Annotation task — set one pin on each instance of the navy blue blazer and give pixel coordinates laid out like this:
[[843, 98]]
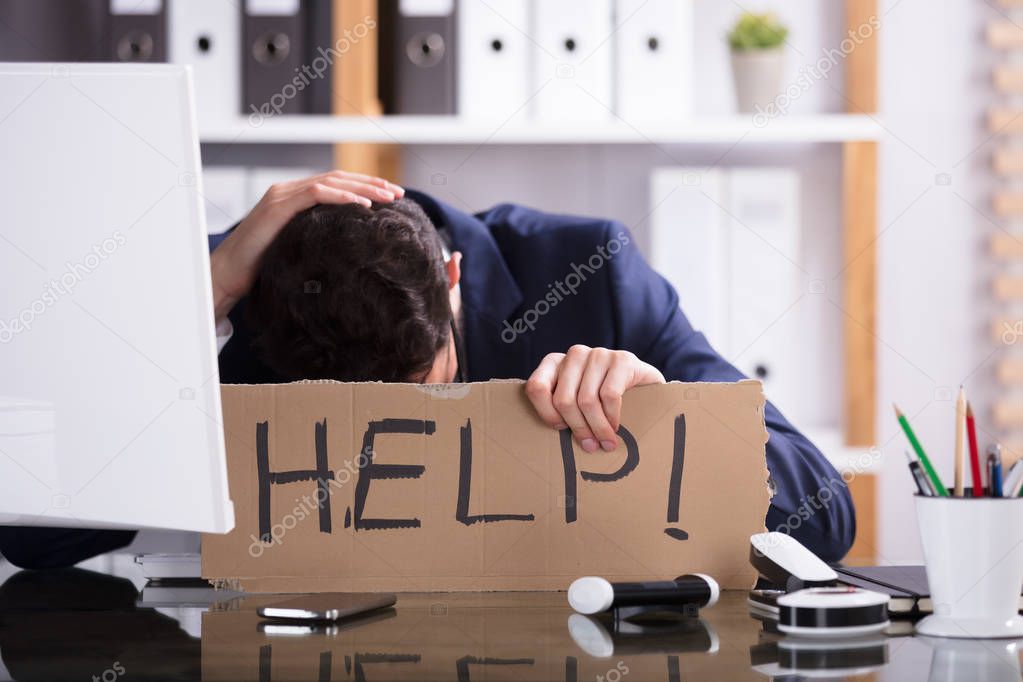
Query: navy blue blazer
[[519, 268]]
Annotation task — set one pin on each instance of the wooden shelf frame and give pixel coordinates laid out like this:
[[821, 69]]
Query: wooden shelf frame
[[859, 195]]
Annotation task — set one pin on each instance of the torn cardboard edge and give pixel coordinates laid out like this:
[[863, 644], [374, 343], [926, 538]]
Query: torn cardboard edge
[[460, 487]]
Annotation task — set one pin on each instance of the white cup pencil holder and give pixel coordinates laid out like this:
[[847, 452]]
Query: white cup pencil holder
[[973, 548]]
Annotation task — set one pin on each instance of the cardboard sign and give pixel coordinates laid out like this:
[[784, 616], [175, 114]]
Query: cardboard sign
[[399, 487]]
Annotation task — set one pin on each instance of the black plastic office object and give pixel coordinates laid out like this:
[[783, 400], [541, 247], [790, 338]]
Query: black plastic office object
[[288, 54], [417, 55]]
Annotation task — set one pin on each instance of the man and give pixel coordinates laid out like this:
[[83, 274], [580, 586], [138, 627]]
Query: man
[[352, 279]]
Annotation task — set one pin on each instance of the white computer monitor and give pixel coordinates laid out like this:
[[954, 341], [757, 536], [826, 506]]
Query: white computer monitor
[[109, 392]]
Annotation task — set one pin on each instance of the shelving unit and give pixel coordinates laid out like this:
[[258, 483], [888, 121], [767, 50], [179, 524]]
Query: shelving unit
[[372, 144], [365, 141], [412, 130]]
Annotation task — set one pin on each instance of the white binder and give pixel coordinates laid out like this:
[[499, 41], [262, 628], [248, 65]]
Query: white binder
[[729, 241], [207, 36], [493, 59], [766, 280], [654, 59], [226, 196], [689, 245], [572, 60]]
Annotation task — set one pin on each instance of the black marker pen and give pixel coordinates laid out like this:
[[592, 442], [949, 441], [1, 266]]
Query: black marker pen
[[923, 485], [591, 594]]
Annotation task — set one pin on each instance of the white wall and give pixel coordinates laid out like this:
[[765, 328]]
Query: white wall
[[935, 297]]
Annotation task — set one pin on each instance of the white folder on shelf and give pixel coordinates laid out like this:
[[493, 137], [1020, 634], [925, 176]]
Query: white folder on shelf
[[728, 240], [653, 59], [225, 192], [689, 244], [766, 280], [572, 60], [207, 36], [493, 58]]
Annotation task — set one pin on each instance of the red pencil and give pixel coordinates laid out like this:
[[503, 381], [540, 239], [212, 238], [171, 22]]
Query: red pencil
[[971, 430]]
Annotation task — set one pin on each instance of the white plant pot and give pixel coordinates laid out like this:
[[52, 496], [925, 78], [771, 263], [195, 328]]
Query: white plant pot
[[758, 78]]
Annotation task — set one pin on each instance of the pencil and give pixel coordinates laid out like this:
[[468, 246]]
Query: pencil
[[960, 436], [939, 487], [971, 430]]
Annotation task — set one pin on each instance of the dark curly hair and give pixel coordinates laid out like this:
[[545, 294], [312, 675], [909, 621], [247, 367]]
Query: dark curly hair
[[352, 293]]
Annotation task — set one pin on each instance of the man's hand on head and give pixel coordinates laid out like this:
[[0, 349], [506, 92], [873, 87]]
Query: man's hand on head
[[234, 262], [582, 390]]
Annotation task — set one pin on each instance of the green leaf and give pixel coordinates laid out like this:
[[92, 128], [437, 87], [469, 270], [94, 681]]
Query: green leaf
[[757, 32]]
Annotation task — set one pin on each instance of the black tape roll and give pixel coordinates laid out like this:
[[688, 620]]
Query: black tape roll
[[833, 617], [832, 608]]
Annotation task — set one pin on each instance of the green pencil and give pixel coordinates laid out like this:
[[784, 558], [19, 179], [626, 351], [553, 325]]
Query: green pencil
[[939, 488]]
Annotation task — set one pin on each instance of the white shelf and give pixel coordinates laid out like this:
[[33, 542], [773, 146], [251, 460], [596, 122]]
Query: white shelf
[[440, 130]]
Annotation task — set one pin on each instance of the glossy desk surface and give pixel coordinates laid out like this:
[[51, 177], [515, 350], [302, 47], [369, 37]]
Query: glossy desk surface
[[90, 625]]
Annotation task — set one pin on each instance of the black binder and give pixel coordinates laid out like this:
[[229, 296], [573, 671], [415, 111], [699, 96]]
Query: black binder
[[53, 30], [417, 59], [82, 31], [139, 33], [287, 59]]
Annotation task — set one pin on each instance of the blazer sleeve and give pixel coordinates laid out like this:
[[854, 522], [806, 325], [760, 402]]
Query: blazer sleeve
[[811, 500], [215, 239]]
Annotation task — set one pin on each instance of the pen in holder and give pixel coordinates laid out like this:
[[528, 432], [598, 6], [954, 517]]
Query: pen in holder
[[973, 548]]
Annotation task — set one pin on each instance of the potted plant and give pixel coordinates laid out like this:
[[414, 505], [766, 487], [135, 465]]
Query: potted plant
[[758, 59]]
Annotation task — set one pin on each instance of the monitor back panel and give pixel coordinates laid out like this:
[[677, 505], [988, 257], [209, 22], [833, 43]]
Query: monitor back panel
[[109, 393]]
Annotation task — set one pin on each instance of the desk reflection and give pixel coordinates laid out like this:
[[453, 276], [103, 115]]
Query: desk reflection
[[75, 624], [976, 660], [522, 636]]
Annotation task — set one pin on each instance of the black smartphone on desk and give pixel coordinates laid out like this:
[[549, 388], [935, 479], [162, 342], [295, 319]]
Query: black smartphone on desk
[[326, 606]]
